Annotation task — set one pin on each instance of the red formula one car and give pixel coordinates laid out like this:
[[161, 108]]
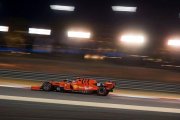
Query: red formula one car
[[79, 85]]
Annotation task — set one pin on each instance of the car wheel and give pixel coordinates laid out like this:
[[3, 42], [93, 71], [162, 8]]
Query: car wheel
[[47, 86], [59, 89], [102, 91]]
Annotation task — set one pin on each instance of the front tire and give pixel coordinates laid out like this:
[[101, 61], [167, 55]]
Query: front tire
[[102, 91], [59, 89], [47, 86]]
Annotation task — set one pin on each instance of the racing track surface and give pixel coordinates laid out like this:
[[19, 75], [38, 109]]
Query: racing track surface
[[11, 109], [88, 68]]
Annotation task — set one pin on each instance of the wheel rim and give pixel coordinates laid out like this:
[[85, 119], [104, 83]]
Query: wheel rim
[[102, 91], [47, 87], [58, 89]]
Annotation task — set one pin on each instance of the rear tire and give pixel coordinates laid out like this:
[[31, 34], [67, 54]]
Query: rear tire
[[102, 91], [47, 86]]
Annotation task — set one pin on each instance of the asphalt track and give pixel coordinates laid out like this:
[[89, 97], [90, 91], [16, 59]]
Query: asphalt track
[[94, 68], [14, 109]]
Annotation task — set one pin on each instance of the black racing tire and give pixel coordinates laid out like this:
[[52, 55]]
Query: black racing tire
[[102, 91], [47, 86]]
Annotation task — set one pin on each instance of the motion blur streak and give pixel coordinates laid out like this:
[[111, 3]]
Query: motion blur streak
[[92, 104], [174, 42], [39, 31], [16, 86], [79, 34], [4, 28], [124, 8], [7, 65], [62, 7], [133, 39]]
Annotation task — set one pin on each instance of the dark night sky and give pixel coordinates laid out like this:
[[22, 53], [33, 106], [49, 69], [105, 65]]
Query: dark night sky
[[158, 18]]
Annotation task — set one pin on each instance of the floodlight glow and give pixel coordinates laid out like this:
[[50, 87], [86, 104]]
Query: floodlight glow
[[133, 39], [174, 42], [39, 31], [62, 7], [74, 34], [124, 8], [4, 28]]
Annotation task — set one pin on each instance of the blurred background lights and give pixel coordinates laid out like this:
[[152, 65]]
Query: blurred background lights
[[132, 39], [4, 28], [62, 7], [79, 34], [124, 8], [39, 31], [175, 42]]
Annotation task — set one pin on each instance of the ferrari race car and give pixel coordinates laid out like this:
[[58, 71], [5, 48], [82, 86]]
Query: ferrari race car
[[79, 85]]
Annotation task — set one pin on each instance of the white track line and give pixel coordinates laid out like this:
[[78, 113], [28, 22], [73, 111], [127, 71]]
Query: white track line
[[16, 86], [91, 104], [132, 96], [145, 97]]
